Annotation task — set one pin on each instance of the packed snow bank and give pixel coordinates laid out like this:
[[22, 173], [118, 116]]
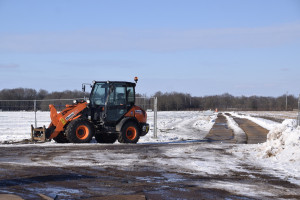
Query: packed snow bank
[[274, 114], [281, 151], [239, 134], [283, 142], [265, 123]]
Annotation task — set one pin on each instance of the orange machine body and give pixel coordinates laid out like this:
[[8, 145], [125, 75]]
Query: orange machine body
[[59, 120], [138, 113]]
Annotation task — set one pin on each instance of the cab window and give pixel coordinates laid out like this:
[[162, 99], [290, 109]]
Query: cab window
[[118, 96], [99, 94], [130, 95]]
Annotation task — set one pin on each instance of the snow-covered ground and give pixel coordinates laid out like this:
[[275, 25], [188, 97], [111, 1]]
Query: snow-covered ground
[[279, 156], [180, 126], [172, 126], [15, 126]]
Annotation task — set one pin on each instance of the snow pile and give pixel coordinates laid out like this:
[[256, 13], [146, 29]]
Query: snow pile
[[283, 142], [205, 123]]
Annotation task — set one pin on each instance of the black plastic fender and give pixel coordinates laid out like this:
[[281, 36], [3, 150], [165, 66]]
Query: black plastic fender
[[123, 121]]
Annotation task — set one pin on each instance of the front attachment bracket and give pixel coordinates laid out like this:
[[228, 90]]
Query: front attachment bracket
[[38, 134]]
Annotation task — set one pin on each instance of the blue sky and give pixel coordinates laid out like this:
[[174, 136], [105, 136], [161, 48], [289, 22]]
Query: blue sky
[[197, 47]]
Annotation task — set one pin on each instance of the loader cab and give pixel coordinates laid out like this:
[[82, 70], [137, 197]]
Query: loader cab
[[111, 100]]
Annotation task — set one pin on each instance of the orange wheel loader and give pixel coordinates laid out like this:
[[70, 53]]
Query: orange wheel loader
[[109, 114]]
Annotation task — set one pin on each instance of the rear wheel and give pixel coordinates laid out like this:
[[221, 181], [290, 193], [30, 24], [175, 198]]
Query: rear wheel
[[80, 131], [130, 133], [106, 138]]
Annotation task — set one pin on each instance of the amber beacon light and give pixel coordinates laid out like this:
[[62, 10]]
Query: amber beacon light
[[136, 79]]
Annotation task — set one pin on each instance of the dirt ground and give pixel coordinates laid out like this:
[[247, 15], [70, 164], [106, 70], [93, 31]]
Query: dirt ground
[[220, 131], [90, 182], [31, 171]]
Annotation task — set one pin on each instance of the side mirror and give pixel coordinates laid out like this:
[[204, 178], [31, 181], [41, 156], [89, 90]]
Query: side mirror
[[83, 86]]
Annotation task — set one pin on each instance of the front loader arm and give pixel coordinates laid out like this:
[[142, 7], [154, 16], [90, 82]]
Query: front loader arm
[[58, 121]]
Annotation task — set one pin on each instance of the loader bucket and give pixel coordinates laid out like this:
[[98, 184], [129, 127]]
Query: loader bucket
[[38, 134]]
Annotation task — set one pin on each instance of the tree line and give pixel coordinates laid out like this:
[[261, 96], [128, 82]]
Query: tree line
[[169, 101], [181, 101], [25, 97]]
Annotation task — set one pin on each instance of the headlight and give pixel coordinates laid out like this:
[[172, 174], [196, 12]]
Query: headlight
[[75, 102], [88, 101]]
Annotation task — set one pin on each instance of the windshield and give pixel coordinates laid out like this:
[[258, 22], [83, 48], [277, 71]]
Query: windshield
[[99, 94]]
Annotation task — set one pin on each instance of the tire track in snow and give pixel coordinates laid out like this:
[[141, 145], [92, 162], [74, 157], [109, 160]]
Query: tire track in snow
[[255, 133], [220, 131]]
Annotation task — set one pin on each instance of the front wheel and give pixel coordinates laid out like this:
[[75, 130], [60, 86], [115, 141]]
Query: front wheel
[[130, 133], [80, 131]]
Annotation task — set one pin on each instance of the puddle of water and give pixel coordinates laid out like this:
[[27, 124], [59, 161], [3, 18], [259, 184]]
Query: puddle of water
[[14, 158], [177, 142], [238, 198], [150, 179], [166, 177], [6, 192], [173, 178], [55, 191], [221, 124]]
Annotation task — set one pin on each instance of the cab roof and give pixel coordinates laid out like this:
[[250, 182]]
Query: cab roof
[[125, 82]]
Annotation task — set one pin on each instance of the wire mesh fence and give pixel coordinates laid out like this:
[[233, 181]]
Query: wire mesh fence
[[33, 105], [43, 105], [145, 103]]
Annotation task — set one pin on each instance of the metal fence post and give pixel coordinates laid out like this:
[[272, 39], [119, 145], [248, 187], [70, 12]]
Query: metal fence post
[[35, 122], [298, 120], [155, 117]]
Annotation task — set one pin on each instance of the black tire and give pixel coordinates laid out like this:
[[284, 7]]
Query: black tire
[[130, 133], [106, 138], [80, 131], [61, 138], [49, 131]]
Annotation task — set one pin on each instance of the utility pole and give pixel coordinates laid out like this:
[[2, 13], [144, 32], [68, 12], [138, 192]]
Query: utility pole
[[286, 101]]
